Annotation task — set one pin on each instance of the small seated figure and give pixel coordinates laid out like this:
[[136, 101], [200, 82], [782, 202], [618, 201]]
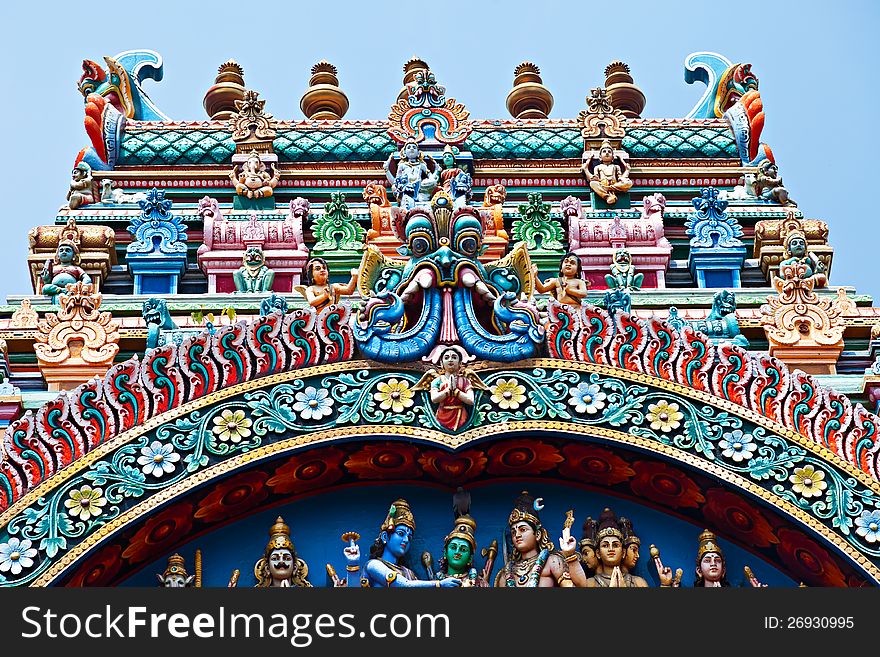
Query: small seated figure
[[607, 178], [495, 237], [318, 291], [450, 169], [385, 567], [63, 270], [768, 184], [567, 288], [798, 253], [617, 301], [253, 178], [721, 325], [711, 570], [534, 562], [81, 187], [254, 275], [461, 189], [175, 575], [273, 303], [279, 566], [414, 178], [612, 571], [623, 274]]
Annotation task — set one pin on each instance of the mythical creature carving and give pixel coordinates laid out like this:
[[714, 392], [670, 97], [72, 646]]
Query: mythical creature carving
[[175, 575], [122, 85], [623, 274], [721, 324], [273, 303], [495, 237], [443, 295], [157, 318], [79, 341], [110, 196], [383, 215], [254, 275]]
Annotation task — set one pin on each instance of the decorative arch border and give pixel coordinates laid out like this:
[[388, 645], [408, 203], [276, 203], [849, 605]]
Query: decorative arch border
[[548, 395]]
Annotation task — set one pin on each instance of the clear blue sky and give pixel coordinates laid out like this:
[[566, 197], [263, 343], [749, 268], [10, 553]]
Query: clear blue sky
[[817, 64]]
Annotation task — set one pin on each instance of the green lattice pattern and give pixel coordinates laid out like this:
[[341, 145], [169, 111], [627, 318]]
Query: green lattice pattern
[[181, 147]]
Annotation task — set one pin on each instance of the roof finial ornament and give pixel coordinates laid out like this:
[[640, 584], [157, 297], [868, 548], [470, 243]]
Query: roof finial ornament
[[410, 69], [228, 87], [324, 99], [529, 98], [623, 94]]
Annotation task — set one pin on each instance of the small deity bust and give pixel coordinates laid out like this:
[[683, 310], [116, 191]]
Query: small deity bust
[[62, 270], [567, 288], [416, 176], [279, 565], [612, 571], [711, 570], [387, 555], [607, 174], [768, 184], [318, 291], [460, 545], [534, 562], [798, 253], [588, 545], [81, 189], [175, 575], [254, 275], [623, 274], [253, 178]]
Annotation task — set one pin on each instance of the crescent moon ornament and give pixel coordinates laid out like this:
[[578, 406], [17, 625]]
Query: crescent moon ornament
[[538, 503]]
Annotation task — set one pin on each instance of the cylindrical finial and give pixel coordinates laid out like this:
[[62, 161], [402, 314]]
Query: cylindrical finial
[[409, 74], [228, 87], [529, 98], [622, 93], [324, 99]]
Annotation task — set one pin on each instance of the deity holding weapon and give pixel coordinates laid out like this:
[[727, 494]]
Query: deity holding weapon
[[535, 562], [568, 287], [318, 291], [413, 178], [385, 567], [460, 546], [451, 387], [62, 270], [607, 177]]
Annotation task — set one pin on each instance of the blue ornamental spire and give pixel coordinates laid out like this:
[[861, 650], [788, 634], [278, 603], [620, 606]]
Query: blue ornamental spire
[[157, 230], [712, 226]]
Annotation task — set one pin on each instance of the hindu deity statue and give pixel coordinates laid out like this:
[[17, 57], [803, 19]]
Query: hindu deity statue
[[62, 270], [460, 546], [451, 387], [569, 287], [711, 570], [798, 253], [768, 184], [588, 545], [175, 575], [534, 561], [253, 179], [279, 566], [413, 178], [385, 567], [81, 191], [615, 560], [318, 291], [623, 274], [254, 274], [450, 168], [608, 174]]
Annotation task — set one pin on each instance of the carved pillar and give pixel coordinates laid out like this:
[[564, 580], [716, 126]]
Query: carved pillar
[[78, 342]]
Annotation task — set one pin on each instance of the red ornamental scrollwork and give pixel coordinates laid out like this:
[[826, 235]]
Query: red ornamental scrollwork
[[39, 444], [762, 384]]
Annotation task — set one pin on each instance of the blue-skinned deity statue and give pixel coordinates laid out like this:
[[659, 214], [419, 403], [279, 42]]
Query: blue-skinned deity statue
[[443, 295]]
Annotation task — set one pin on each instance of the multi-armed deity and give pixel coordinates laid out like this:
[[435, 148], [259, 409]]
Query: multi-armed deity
[[798, 253], [414, 177], [534, 562], [460, 547], [253, 178]]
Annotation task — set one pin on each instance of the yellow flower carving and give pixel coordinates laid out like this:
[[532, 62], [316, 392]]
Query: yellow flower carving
[[508, 394], [664, 416], [232, 425], [808, 481], [85, 502], [394, 395]]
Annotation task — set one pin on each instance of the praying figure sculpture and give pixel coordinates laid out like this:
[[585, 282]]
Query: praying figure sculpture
[[318, 291], [279, 566], [617, 554], [451, 388], [608, 174], [62, 270], [569, 287]]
